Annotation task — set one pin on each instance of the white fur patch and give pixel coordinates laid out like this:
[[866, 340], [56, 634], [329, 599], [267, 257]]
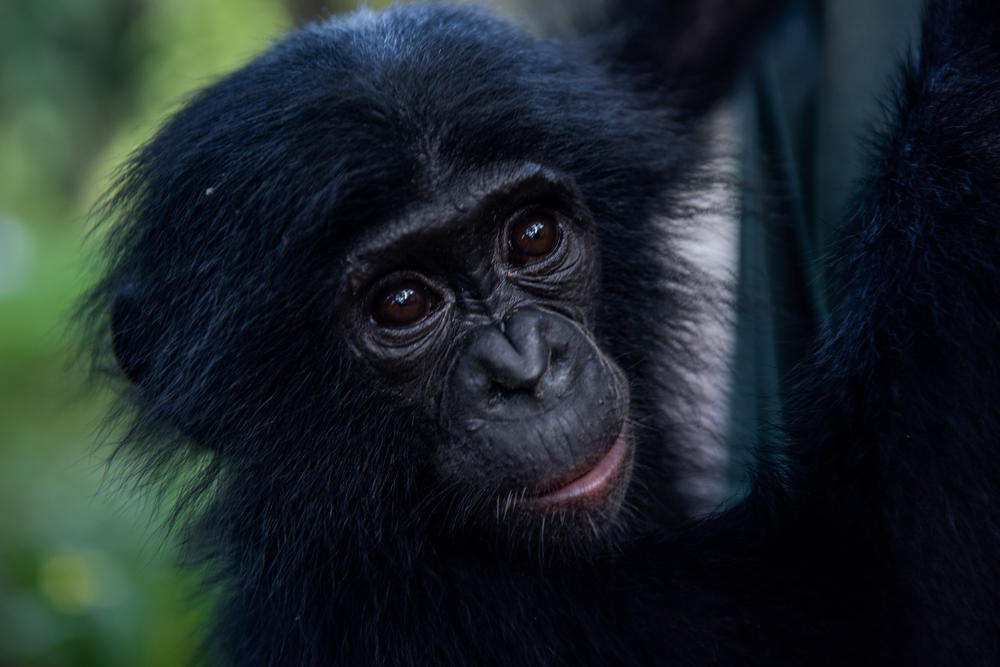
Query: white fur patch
[[703, 228]]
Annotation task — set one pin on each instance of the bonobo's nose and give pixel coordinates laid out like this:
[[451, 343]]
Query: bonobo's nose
[[527, 355], [533, 399]]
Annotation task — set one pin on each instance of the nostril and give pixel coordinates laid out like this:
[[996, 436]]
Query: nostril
[[494, 394], [522, 375], [557, 354], [499, 393]]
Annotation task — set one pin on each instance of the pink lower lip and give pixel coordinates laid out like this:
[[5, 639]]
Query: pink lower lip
[[595, 481]]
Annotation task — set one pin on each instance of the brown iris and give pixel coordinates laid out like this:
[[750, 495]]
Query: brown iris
[[533, 238], [402, 304]]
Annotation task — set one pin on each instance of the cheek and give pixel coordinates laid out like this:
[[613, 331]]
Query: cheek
[[572, 290]]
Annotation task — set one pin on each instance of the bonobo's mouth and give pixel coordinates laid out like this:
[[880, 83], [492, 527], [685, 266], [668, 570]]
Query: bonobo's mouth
[[595, 484]]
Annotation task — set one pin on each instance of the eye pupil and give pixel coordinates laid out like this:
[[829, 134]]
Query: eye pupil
[[532, 239], [402, 304]]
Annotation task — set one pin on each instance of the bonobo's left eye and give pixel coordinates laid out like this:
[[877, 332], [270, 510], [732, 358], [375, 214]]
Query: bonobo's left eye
[[402, 303], [532, 237]]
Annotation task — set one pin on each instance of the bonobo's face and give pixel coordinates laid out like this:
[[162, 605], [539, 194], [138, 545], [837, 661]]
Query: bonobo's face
[[396, 190], [476, 308]]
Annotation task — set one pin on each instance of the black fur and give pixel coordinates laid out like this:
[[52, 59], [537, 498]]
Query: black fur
[[880, 544]]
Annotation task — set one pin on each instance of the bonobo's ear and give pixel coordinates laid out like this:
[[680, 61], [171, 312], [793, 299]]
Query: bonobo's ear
[[130, 335]]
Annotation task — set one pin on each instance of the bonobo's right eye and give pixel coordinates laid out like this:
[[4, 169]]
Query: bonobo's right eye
[[402, 303]]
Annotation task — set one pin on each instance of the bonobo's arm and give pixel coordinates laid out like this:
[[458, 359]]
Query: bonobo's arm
[[905, 467], [691, 48]]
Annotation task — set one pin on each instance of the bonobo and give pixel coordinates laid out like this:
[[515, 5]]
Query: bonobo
[[402, 302]]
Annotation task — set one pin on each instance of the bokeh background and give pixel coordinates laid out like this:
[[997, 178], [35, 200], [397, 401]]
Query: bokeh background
[[85, 576]]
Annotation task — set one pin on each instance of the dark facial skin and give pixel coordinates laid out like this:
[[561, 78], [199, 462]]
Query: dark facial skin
[[476, 308]]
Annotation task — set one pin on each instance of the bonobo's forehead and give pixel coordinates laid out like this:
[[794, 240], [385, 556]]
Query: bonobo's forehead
[[351, 122], [428, 68], [431, 88]]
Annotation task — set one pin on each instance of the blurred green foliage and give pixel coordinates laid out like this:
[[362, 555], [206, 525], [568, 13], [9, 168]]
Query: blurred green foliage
[[86, 577]]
